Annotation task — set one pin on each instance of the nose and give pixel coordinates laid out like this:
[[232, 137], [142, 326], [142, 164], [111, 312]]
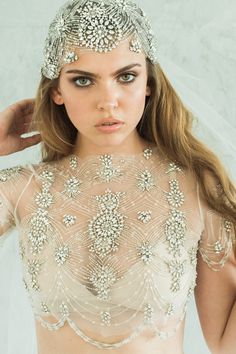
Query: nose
[[108, 99]]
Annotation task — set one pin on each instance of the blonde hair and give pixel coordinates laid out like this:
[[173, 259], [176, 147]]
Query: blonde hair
[[165, 122]]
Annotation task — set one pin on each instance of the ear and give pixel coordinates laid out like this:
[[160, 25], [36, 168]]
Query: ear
[[57, 96], [148, 91]]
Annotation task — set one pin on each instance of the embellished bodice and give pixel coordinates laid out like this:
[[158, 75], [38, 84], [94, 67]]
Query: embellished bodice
[[109, 243]]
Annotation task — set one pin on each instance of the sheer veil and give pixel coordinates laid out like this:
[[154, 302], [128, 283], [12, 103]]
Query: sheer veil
[[198, 55]]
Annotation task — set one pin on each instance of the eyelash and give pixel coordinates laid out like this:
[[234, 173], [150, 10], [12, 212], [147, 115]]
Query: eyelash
[[134, 75]]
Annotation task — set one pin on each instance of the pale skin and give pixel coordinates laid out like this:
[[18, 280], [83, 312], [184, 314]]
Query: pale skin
[[106, 96]]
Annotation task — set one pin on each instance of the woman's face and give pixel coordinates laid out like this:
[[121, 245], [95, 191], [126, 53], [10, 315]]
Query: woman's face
[[104, 95]]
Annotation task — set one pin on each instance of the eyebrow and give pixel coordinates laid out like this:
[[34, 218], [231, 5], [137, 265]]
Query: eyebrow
[[117, 72]]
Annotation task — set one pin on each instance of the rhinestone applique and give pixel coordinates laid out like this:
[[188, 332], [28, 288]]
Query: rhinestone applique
[[105, 318], [44, 199], [175, 231], [70, 57], [44, 307], [64, 309], [106, 227], [39, 225], [170, 310], [193, 256], [72, 187], [218, 247], [227, 225], [148, 314], [145, 181], [62, 254], [108, 171], [73, 163], [145, 252], [102, 278], [69, 220], [145, 216], [147, 153], [173, 167], [8, 173], [175, 197], [34, 268], [177, 270]]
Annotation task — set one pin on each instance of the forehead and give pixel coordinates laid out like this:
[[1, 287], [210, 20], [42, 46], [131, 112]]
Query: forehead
[[119, 57]]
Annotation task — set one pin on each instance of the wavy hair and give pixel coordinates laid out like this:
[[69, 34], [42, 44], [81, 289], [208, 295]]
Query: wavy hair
[[165, 122]]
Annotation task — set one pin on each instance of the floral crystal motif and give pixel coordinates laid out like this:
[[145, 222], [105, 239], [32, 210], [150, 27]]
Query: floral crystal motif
[[62, 254], [147, 153], [69, 220], [8, 173], [34, 268], [175, 197], [148, 314], [39, 225], [218, 247], [105, 228], [105, 318], [70, 57], [145, 252], [108, 171], [73, 163], [44, 199], [173, 167], [175, 231], [145, 181], [177, 270], [102, 278], [145, 216], [72, 187]]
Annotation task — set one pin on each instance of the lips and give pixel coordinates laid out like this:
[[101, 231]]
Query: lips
[[108, 122]]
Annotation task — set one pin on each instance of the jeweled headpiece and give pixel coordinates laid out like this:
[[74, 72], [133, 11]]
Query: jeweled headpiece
[[97, 25]]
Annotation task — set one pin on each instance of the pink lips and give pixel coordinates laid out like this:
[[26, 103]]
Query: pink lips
[[109, 125]]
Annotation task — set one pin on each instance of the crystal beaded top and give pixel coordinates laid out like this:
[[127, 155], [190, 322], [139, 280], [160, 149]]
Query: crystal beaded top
[[109, 243]]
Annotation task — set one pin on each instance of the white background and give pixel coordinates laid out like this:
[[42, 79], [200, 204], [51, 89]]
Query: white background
[[199, 36]]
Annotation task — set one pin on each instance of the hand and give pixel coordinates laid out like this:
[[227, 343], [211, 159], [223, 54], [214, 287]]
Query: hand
[[15, 120]]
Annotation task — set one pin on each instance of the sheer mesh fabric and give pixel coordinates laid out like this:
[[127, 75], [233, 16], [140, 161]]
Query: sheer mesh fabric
[[109, 243]]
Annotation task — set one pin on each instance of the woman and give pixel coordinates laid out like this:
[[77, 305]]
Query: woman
[[111, 221]]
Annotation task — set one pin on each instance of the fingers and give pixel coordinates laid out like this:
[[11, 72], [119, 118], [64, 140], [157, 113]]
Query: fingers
[[30, 141], [21, 108]]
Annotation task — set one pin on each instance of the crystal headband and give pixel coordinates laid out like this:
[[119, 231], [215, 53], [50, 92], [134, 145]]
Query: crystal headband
[[97, 25]]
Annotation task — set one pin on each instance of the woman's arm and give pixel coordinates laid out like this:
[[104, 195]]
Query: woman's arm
[[15, 120], [215, 295]]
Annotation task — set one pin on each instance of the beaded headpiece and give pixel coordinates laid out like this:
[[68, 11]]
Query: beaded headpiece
[[96, 25]]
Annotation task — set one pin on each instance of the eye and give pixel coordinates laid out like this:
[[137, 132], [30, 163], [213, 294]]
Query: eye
[[82, 81], [127, 77]]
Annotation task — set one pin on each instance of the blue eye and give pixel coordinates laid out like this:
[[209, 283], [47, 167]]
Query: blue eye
[[82, 81]]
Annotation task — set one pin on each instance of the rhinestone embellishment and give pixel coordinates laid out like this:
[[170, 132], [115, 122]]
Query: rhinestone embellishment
[[145, 181], [72, 187], [148, 314], [39, 226], [105, 318], [73, 163], [34, 268], [62, 254], [175, 231], [106, 227], [147, 153], [177, 270], [69, 220], [145, 216], [145, 252], [173, 167], [108, 171], [175, 197], [102, 278], [8, 173]]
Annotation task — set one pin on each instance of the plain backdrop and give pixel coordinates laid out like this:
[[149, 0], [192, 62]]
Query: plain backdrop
[[198, 36]]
